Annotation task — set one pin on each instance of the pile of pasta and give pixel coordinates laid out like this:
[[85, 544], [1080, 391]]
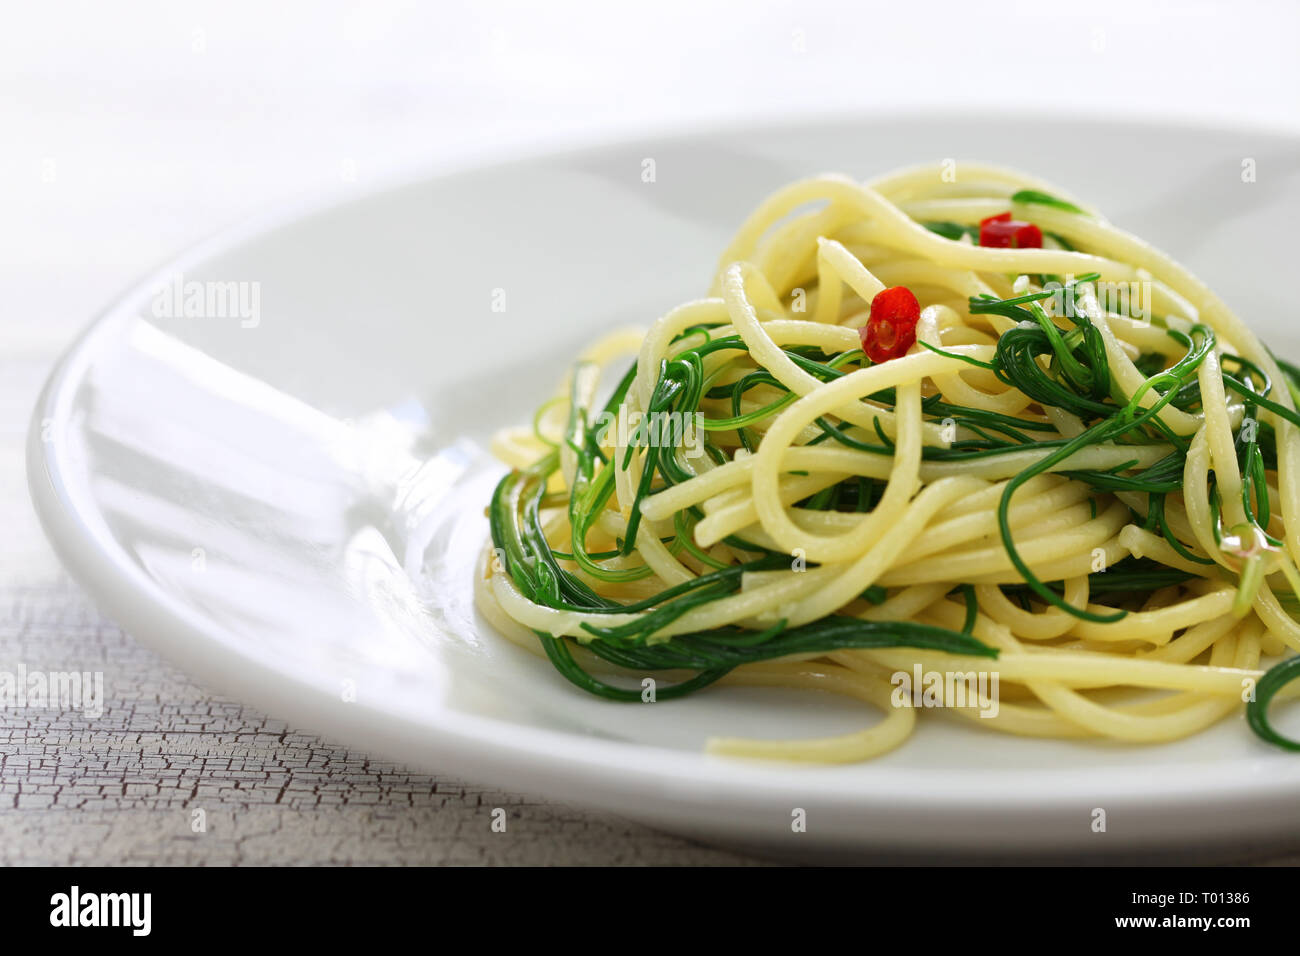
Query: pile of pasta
[[1070, 469]]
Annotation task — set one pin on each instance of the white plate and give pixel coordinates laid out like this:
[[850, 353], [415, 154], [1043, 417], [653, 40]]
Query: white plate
[[249, 500]]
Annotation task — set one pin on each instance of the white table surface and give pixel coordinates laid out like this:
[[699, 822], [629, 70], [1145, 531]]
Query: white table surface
[[129, 131]]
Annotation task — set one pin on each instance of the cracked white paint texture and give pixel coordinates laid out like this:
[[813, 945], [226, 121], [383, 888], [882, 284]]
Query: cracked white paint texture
[[123, 789]]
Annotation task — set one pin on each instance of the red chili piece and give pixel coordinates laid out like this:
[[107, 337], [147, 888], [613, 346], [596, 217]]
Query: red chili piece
[[1003, 232], [891, 329]]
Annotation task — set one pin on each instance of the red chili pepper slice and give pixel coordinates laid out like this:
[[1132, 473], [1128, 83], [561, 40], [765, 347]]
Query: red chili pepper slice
[[891, 328], [1003, 232]]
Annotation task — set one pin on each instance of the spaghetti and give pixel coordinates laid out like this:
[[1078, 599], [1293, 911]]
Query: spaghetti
[[937, 424]]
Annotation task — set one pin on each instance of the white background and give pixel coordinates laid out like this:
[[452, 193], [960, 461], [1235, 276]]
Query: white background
[[130, 130]]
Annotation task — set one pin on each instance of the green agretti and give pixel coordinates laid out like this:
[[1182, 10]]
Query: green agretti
[[533, 566], [1076, 378]]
